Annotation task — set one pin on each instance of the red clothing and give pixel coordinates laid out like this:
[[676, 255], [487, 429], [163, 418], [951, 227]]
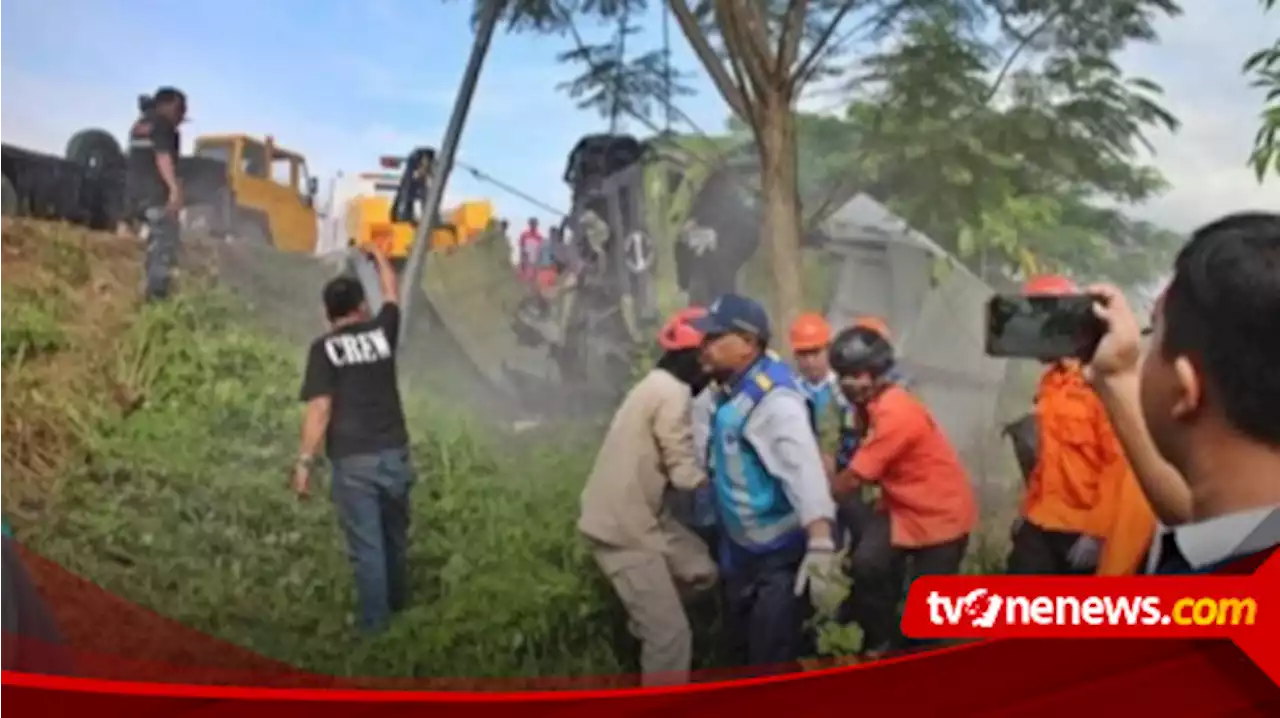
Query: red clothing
[[530, 250], [923, 484]]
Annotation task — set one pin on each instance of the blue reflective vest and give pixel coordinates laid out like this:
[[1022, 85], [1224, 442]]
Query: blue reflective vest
[[821, 394], [754, 512]]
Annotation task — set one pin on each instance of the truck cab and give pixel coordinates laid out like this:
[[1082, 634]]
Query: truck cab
[[271, 191], [384, 210]]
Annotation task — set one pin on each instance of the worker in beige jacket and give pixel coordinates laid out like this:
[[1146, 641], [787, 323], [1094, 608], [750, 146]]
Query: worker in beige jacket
[[654, 561]]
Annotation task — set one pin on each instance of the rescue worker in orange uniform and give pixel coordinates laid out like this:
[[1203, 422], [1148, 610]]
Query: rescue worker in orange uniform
[[1069, 505], [629, 518], [1133, 527], [929, 507]]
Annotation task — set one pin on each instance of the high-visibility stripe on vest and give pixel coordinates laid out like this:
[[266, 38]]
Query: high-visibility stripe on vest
[[751, 505]]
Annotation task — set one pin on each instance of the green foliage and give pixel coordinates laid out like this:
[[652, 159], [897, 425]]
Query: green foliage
[[182, 506], [1264, 66], [1008, 174], [175, 425], [30, 326]]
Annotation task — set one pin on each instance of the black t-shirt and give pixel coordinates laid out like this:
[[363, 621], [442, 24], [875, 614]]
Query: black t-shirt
[[152, 133], [356, 366]]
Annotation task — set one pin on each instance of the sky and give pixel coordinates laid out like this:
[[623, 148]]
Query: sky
[[347, 81]]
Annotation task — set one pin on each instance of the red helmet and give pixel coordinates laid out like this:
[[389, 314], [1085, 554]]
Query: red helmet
[[678, 333], [810, 332], [1049, 284], [875, 324]]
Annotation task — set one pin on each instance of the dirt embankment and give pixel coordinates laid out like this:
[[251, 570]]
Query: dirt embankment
[[74, 357]]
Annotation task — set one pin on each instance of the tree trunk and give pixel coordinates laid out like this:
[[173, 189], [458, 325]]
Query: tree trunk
[[781, 228]]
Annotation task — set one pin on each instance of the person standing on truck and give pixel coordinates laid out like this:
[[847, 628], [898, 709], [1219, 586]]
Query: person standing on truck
[[152, 186], [773, 506], [646, 460], [354, 409], [1072, 490], [929, 503]]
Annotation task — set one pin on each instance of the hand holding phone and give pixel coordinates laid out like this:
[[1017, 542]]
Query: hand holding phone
[[1120, 349], [1044, 327]]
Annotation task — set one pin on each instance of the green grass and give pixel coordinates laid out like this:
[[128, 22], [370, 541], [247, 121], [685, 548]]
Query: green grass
[[182, 506], [148, 449]]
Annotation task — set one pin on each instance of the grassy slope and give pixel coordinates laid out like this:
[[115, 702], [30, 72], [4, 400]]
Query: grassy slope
[[147, 449]]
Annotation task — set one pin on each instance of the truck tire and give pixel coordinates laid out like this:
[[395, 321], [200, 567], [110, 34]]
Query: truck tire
[[10, 197], [95, 150], [103, 161]]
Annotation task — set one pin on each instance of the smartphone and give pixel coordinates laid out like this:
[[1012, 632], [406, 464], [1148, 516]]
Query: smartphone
[[1043, 327]]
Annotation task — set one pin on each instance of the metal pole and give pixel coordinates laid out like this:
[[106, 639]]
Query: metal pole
[[444, 162]]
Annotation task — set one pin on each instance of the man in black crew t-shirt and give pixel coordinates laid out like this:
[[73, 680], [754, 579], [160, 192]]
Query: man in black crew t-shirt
[[353, 407], [154, 193]]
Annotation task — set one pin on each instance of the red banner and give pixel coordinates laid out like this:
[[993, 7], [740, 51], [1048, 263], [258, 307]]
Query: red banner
[[1184, 668]]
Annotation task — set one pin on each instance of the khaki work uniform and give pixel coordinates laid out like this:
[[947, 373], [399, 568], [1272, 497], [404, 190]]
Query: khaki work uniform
[[652, 560]]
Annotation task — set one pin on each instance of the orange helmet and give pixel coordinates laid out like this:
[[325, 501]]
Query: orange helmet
[[810, 332], [875, 324], [678, 333], [1049, 285]]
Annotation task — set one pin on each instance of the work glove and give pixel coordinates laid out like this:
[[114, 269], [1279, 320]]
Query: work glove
[[820, 574], [1084, 553]]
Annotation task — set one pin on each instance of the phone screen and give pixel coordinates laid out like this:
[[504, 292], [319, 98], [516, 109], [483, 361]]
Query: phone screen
[[1044, 327]]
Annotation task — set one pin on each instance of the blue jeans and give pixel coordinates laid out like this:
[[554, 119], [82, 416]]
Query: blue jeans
[[371, 493], [766, 620], [163, 237]]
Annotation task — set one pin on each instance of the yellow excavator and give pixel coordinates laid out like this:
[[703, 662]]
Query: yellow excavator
[[469, 288], [369, 221]]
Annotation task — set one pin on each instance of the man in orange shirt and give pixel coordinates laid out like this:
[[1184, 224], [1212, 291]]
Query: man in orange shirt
[[929, 504], [1069, 505]]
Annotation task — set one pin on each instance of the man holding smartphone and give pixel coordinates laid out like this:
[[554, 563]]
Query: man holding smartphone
[[1198, 414], [152, 185], [353, 407], [1069, 500]]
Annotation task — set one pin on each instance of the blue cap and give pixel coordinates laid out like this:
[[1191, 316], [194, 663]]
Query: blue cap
[[734, 313]]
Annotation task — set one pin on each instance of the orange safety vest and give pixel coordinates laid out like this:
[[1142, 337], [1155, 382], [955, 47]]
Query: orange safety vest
[[1080, 463], [1132, 529]]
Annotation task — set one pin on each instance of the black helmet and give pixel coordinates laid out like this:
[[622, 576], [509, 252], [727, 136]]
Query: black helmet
[[858, 349]]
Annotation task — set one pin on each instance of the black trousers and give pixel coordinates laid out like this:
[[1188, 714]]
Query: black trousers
[[882, 574], [32, 641], [765, 620], [1040, 552]]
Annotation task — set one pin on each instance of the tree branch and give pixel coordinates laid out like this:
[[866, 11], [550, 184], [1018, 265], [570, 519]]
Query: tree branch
[[809, 63], [740, 44], [790, 36], [733, 95], [1023, 44]]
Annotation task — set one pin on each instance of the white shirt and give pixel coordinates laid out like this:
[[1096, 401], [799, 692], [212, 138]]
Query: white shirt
[[1218, 539]]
